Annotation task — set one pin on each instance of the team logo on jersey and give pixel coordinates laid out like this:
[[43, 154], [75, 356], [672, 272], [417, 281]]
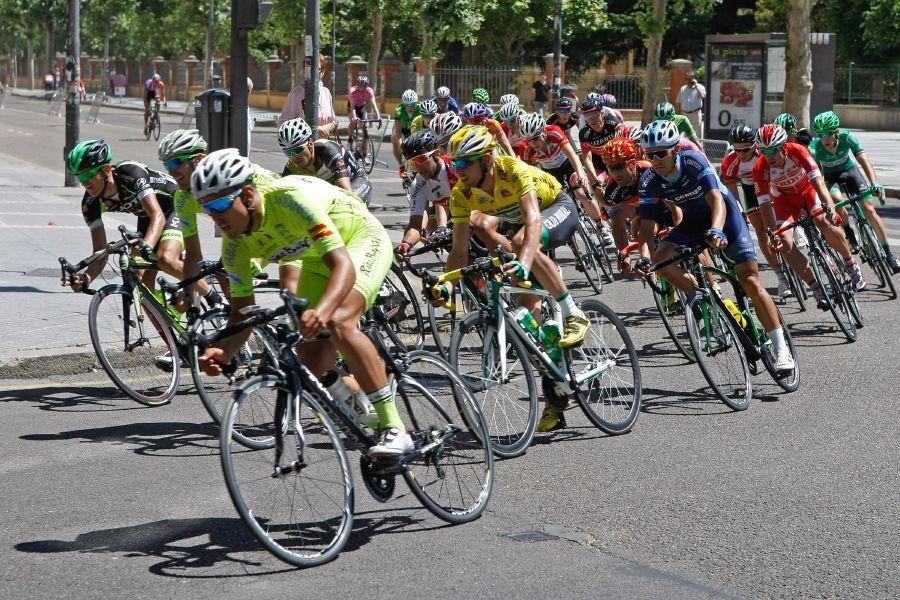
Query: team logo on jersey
[[319, 232], [505, 193]]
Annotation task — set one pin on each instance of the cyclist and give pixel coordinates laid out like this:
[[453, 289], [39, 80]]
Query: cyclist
[[787, 180], [403, 117], [737, 169], [476, 113], [832, 149], [445, 102], [359, 99], [481, 96], [444, 125], [567, 120], [609, 101], [154, 90], [788, 122], [509, 99], [427, 110], [430, 191], [346, 255], [509, 115], [666, 112], [128, 187], [709, 215], [600, 127], [325, 159], [497, 191]]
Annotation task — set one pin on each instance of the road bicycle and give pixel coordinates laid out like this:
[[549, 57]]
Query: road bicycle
[[361, 146], [397, 312], [153, 127], [870, 250], [297, 495]]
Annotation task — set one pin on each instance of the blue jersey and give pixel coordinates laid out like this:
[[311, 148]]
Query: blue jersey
[[452, 105]]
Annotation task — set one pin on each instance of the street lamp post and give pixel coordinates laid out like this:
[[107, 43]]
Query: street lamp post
[[210, 32], [112, 21]]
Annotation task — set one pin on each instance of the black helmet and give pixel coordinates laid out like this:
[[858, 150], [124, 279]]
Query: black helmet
[[421, 142], [592, 104], [564, 102], [742, 134]]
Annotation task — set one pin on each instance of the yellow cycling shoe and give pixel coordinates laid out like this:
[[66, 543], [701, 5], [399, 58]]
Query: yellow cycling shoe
[[576, 327], [551, 420]]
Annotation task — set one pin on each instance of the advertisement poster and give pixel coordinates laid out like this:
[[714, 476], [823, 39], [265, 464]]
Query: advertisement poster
[[735, 95]]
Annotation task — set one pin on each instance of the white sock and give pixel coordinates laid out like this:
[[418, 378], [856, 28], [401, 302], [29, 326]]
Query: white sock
[[567, 304], [777, 337]]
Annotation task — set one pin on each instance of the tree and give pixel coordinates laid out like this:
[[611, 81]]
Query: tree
[[798, 58], [653, 28]]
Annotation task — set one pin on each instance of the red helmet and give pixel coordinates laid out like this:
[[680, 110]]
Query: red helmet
[[627, 131], [619, 150], [770, 136]]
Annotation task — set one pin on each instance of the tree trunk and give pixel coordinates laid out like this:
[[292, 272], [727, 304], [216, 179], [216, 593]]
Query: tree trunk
[[655, 29], [798, 78], [428, 59], [51, 44], [29, 52], [375, 51]]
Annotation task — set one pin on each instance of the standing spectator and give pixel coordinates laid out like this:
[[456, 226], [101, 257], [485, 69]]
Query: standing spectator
[[296, 101], [690, 101], [57, 76], [48, 81], [540, 94]]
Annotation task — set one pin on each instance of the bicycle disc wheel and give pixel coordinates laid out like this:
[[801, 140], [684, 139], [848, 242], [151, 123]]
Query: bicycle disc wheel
[[585, 259], [877, 260], [606, 371], [672, 314], [508, 399], [452, 475], [720, 355], [135, 346], [216, 392], [824, 270], [398, 313], [302, 513], [792, 382]]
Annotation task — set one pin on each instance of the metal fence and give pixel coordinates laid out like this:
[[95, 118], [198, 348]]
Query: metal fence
[[878, 86], [628, 89], [462, 80]]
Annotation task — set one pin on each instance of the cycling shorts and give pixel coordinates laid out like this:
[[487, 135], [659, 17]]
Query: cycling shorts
[[372, 256], [171, 230], [790, 206], [740, 247], [558, 221], [751, 204], [362, 188], [850, 181], [149, 96], [361, 112]]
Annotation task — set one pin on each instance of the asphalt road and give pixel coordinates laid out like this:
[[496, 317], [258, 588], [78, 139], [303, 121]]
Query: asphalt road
[[795, 497]]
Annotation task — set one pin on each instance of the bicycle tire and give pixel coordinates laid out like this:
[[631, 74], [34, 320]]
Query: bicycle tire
[[270, 513], [736, 395], [823, 268], [398, 313], [454, 480], [111, 324], [442, 322], [617, 390], [510, 407], [671, 316], [369, 156], [157, 127], [788, 384], [585, 259], [795, 284], [877, 259], [603, 260]]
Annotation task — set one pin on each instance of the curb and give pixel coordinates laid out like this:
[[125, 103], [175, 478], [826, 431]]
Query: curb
[[34, 367]]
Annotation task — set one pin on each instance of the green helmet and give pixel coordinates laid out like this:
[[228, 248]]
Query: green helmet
[[826, 121], [481, 96], [787, 121], [664, 111], [89, 155]]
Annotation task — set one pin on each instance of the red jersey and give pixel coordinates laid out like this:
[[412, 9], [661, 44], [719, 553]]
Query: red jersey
[[791, 178], [554, 157], [735, 170]]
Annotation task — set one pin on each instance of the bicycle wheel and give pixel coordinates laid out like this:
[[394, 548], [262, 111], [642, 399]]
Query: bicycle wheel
[[442, 322], [586, 259], [297, 497], [792, 382], [216, 392], [135, 345], [500, 379], [797, 289], [672, 313], [606, 371], [719, 353], [369, 156], [593, 233], [157, 127], [825, 271], [877, 259], [397, 312], [452, 475]]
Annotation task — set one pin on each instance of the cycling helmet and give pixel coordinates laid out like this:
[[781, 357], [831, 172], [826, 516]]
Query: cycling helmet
[[428, 107], [660, 134], [532, 125], [664, 111], [481, 95], [362, 81], [619, 150], [471, 141], [446, 124], [826, 121], [591, 104], [508, 99], [629, 132], [443, 92], [89, 155], [156, 77], [181, 142], [409, 97], [741, 134], [509, 112], [421, 142], [565, 103], [220, 171], [594, 95], [787, 121], [608, 100], [476, 110], [770, 136], [294, 133]]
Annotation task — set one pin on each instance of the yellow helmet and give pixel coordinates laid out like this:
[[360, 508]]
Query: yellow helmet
[[471, 141]]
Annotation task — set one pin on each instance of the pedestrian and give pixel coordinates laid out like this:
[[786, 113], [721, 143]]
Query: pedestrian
[[57, 78], [690, 101], [294, 105], [540, 94], [48, 81]]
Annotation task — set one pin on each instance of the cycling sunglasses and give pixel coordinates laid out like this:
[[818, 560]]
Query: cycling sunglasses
[[827, 134], [289, 152], [770, 151], [657, 154], [176, 163], [564, 111], [220, 205], [88, 175], [465, 161], [420, 159], [744, 150]]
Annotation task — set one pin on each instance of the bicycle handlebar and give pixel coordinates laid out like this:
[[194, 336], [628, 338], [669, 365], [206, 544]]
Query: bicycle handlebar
[[292, 306], [205, 271]]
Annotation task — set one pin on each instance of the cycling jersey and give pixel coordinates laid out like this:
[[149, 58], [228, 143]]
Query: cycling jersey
[[804, 137], [592, 141], [570, 127], [515, 140], [840, 160], [735, 170], [452, 105], [684, 126], [686, 144], [417, 124], [359, 98], [792, 178], [153, 87], [133, 182], [402, 116], [554, 157], [306, 218], [624, 196], [332, 162], [187, 207], [434, 191], [512, 180]]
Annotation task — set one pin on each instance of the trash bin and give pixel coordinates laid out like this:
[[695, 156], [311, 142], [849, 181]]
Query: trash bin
[[213, 118]]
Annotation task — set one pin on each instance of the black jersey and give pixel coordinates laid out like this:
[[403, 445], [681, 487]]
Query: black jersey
[[592, 141], [333, 160], [133, 182]]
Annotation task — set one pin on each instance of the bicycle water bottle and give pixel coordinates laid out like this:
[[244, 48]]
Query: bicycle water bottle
[[735, 312], [527, 321], [357, 402], [551, 333]]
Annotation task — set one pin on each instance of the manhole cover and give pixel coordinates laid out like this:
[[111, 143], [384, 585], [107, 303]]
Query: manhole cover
[[532, 536]]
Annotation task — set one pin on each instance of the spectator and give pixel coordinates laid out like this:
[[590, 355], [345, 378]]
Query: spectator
[[82, 93], [294, 105], [48, 81], [540, 94], [690, 102], [56, 78]]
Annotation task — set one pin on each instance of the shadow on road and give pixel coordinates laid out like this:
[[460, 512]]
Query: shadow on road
[[62, 398], [148, 439]]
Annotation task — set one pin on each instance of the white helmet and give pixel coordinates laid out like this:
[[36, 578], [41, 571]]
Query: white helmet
[[294, 133], [508, 98], [428, 107], [532, 125], [660, 134], [222, 170], [446, 124], [443, 92], [409, 97], [508, 112], [181, 142], [593, 95]]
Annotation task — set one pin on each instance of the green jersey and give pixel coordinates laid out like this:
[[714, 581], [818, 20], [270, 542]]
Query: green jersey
[[187, 207], [840, 160], [402, 116], [684, 127]]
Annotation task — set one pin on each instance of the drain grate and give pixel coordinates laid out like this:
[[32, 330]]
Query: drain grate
[[532, 536]]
